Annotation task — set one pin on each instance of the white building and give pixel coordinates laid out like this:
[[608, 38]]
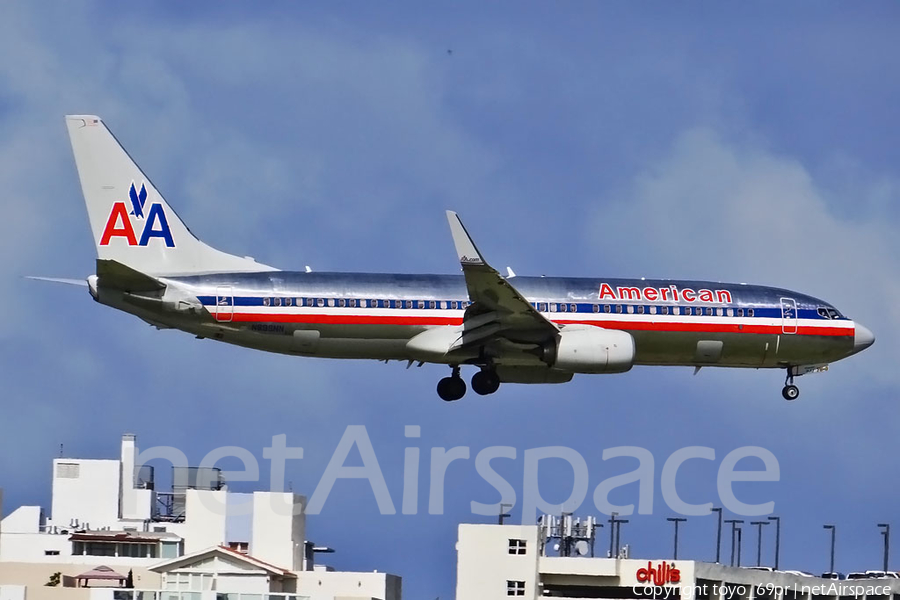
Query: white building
[[199, 537], [500, 561]]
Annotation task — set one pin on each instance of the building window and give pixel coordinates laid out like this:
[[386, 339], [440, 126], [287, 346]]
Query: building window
[[51, 552], [517, 546], [515, 588], [68, 470]]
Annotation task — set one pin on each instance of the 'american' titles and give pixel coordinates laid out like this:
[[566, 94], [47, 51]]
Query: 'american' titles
[[663, 294]]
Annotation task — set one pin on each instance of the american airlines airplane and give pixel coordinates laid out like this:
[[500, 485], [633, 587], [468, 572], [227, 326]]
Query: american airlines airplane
[[511, 329]]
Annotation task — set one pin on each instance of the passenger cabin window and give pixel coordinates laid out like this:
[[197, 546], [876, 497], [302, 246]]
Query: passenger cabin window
[[573, 308], [749, 312], [640, 310], [320, 302], [740, 312], [606, 308]]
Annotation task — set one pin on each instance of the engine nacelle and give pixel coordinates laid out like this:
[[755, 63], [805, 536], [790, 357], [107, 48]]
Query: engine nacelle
[[591, 350]]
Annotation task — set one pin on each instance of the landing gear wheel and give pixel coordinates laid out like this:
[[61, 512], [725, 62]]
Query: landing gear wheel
[[790, 392], [485, 382], [451, 388]]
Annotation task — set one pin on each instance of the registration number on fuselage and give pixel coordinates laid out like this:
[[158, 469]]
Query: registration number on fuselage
[[267, 327]]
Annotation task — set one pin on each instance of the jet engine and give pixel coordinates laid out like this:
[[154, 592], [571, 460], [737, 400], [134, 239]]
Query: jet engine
[[590, 349]]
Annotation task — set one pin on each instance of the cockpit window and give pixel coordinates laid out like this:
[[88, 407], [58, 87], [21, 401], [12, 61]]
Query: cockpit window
[[826, 312]]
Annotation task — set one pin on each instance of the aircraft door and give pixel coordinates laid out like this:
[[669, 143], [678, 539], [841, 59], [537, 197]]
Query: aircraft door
[[224, 303], [788, 316]]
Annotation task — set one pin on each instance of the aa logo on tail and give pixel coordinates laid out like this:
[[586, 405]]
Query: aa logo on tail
[[123, 223]]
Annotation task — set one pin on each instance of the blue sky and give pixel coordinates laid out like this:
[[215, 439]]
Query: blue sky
[[749, 142]]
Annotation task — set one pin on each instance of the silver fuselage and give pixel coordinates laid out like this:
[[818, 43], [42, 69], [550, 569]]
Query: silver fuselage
[[373, 316]]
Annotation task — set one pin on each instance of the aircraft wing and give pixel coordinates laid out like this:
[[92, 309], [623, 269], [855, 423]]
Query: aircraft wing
[[497, 308]]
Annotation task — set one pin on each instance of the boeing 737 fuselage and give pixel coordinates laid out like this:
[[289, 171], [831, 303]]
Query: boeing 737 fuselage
[[512, 329]]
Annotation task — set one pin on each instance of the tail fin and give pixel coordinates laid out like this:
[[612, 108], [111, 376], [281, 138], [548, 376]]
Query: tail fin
[[131, 222]]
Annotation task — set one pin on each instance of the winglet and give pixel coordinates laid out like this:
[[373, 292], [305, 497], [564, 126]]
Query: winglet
[[465, 247]]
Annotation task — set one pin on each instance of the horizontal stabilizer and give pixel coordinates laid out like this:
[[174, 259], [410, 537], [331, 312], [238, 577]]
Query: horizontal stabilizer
[[78, 282], [116, 276]]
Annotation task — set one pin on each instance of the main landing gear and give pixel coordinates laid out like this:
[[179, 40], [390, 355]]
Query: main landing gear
[[790, 391], [452, 388], [485, 382]]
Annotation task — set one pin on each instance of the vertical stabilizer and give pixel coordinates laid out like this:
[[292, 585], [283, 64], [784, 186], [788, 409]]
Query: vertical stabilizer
[[131, 222]]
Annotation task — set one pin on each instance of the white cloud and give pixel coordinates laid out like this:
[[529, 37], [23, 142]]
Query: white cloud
[[719, 209]]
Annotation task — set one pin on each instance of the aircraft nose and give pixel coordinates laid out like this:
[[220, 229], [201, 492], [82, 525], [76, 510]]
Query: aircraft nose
[[862, 338]]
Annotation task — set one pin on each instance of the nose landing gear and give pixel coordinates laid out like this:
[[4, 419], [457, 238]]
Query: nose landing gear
[[790, 391], [451, 388]]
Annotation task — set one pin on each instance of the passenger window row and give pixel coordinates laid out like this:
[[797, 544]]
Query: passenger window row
[[544, 307], [366, 303], [640, 309]]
